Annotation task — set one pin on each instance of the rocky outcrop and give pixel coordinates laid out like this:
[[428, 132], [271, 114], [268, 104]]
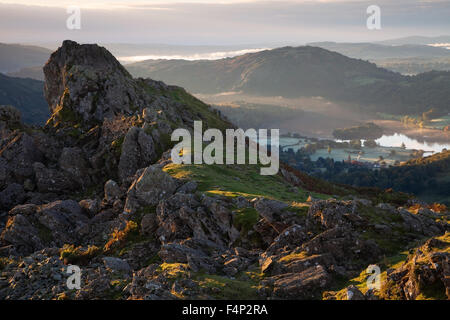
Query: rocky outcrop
[[425, 274], [138, 150], [152, 186], [10, 118], [89, 81], [18, 153], [31, 228], [92, 188]]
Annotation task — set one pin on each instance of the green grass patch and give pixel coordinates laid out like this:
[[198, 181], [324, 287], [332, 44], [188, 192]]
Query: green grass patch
[[237, 180], [245, 218], [244, 287]]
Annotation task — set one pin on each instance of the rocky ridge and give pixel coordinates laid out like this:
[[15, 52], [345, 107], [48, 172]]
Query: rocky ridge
[[93, 188]]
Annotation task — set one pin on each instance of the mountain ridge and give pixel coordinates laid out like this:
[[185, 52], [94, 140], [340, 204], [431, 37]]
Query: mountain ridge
[[306, 71], [96, 187]]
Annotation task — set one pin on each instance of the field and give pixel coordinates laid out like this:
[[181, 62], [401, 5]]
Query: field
[[390, 154]]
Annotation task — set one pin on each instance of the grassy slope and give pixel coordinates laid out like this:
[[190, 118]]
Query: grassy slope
[[239, 180]]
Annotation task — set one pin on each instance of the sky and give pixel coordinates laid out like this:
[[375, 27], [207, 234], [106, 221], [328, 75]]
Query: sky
[[223, 22]]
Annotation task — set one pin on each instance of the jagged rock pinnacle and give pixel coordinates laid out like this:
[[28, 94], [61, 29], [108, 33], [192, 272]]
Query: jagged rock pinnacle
[[87, 82]]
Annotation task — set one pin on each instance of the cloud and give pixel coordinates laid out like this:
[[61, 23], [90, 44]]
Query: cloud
[[233, 22], [195, 56]]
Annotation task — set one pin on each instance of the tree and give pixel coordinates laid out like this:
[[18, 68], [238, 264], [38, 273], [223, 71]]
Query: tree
[[370, 143], [356, 144]]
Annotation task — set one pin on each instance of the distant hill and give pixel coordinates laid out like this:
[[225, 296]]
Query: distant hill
[[408, 59], [416, 40], [30, 72], [306, 71], [374, 51], [27, 96], [14, 57]]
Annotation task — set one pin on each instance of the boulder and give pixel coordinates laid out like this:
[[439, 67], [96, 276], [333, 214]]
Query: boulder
[[353, 293], [17, 154], [12, 195], [116, 264], [90, 206], [152, 186], [149, 224], [10, 117], [112, 191], [303, 285], [53, 180], [138, 151], [73, 162], [275, 214], [32, 227]]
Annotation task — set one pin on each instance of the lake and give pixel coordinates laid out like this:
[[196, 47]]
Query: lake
[[397, 139]]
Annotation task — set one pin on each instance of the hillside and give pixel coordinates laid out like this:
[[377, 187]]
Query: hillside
[[27, 96], [428, 178], [96, 187], [307, 71], [35, 73], [408, 59], [14, 57], [417, 40]]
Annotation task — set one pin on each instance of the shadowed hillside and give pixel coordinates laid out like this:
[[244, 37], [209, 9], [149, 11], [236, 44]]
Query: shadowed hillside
[[27, 96]]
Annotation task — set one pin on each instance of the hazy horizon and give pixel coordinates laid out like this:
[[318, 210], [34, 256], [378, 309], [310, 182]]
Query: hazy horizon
[[228, 23]]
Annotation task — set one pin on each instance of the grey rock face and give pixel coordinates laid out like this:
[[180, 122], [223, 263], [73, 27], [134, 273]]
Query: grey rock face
[[17, 155], [149, 224], [303, 285], [90, 206], [12, 195], [112, 190], [10, 117], [31, 227], [138, 151], [353, 293], [116, 264], [88, 79], [275, 214], [152, 186], [73, 162], [53, 180]]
